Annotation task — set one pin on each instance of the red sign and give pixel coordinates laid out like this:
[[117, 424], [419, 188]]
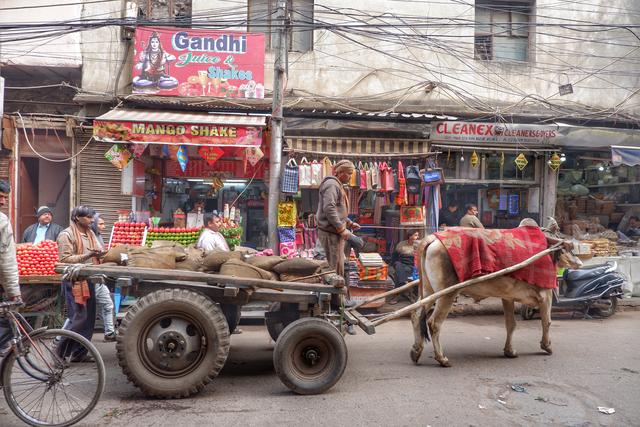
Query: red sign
[[210, 154], [492, 132], [223, 168], [188, 62], [177, 133]]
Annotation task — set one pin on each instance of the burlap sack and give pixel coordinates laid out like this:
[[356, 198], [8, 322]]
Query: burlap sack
[[238, 268], [160, 258], [265, 262], [114, 254], [295, 278], [194, 260], [213, 260], [179, 249], [297, 266]]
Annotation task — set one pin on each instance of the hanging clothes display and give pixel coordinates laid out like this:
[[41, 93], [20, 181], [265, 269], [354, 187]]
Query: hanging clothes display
[[401, 198]]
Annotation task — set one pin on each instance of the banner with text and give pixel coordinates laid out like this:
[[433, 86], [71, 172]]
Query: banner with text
[[176, 133], [191, 62], [493, 132]]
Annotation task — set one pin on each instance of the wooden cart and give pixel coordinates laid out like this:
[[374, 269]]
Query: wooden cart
[[175, 338], [44, 304]]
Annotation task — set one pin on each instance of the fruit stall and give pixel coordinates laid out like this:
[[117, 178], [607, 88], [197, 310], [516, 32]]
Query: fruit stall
[[39, 283]]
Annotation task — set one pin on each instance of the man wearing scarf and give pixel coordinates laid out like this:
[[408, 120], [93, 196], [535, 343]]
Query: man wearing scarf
[[78, 244], [333, 208]]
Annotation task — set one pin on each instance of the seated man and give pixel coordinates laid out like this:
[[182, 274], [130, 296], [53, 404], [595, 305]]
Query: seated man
[[211, 239], [44, 229], [633, 227]]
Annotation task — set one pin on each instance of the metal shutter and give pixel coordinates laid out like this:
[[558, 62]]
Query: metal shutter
[[99, 182]]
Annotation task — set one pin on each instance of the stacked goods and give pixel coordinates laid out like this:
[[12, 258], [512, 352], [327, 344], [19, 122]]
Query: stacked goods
[[602, 247], [373, 279], [37, 260], [129, 233], [185, 236], [232, 234]]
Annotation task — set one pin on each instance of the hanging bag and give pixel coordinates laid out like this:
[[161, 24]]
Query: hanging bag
[[375, 177], [412, 176], [316, 174], [353, 181], [387, 177], [305, 173], [369, 177], [327, 168], [290, 176], [363, 176], [433, 176], [287, 215]]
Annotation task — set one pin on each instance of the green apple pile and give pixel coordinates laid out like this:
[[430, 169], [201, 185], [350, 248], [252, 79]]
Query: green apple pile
[[185, 236]]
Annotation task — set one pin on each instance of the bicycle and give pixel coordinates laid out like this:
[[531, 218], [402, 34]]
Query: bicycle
[[45, 375]]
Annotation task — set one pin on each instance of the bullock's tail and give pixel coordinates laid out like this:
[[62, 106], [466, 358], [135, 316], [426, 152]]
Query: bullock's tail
[[425, 288]]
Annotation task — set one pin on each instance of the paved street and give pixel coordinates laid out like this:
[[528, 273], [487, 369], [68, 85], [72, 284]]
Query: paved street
[[595, 363]]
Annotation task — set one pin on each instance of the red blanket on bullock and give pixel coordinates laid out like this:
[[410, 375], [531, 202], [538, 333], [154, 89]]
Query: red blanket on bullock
[[475, 252]]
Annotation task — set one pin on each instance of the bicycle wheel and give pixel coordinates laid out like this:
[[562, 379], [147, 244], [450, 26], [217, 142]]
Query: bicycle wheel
[[45, 386]]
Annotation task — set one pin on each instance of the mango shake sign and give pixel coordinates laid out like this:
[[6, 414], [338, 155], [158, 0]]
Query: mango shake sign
[[187, 62]]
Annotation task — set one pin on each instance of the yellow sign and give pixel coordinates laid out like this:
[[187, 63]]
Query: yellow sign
[[555, 162], [521, 161], [475, 160]]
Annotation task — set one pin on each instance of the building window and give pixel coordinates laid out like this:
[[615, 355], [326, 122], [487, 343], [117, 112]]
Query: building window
[[502, 30], [300, 35], [179, 10]]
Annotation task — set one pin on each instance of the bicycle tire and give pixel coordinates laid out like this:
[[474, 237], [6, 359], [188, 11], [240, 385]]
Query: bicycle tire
[[45, 352]]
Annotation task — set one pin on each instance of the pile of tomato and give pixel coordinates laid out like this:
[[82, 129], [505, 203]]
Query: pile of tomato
[[186, 236], [130, 233], [37, 260]]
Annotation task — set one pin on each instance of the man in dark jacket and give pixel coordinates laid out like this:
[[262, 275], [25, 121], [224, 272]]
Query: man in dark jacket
[[332, 215], [44, 229]]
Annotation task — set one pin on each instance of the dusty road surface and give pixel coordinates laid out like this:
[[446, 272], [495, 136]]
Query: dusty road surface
[[595, 363]]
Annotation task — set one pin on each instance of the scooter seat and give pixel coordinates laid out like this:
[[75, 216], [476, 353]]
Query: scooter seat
[[590, 272]]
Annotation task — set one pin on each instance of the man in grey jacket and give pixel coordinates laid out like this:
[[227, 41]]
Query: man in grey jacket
[[44, 229], [8, 263], [333, 208]]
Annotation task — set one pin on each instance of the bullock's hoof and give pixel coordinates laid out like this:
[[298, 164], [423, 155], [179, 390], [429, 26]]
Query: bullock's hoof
[[546, 347], [512, 354], [444, 362], [415, 355]]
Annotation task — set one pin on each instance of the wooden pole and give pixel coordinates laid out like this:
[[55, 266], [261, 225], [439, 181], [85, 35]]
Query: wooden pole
[[386, 294], [311, 276], [431, 298]]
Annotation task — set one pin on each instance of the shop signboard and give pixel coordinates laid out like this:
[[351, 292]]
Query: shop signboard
[[194, 62], [198, 168], [200, 134], [454, 131]]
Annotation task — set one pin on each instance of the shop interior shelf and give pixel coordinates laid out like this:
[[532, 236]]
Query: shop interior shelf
[[618, 184]]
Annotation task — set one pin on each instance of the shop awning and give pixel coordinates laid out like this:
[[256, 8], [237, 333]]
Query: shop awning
[[629, 156], [172, 127], [358, 147]]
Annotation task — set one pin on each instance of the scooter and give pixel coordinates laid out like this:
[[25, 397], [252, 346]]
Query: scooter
[[593, 290]]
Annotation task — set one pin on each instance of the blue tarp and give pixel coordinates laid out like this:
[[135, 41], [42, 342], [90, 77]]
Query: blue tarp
[[629, 156]]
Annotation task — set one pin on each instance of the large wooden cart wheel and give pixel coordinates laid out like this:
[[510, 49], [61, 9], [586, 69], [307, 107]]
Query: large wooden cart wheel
[[310, 356], [172, 343]]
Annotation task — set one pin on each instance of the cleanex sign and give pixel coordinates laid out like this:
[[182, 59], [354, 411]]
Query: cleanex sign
[[493, 132], [191, 62]]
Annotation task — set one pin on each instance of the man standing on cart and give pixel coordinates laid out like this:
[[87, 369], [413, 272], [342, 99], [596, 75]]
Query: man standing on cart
[[8, 263], [334, 226]]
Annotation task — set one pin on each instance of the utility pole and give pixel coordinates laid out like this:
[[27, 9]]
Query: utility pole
[[275, 152]]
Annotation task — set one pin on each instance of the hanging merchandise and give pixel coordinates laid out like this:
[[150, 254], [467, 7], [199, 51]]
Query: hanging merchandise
[[173, 152], [413, 179], [386, 177], [288, 249], [375, 176], [353, 181], [253, 155], [305, 173], [316, 174], [310, 233], [401, 197], [502, 159], [287, 215], [183, 157], [210, 154], [368, 171], [554, 162], [412, 215], [290, 175], [521, 161], [363, 176], [118, 155], [327, 167], [433, 176], [475, 159], [286, 234], [137, 149]]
